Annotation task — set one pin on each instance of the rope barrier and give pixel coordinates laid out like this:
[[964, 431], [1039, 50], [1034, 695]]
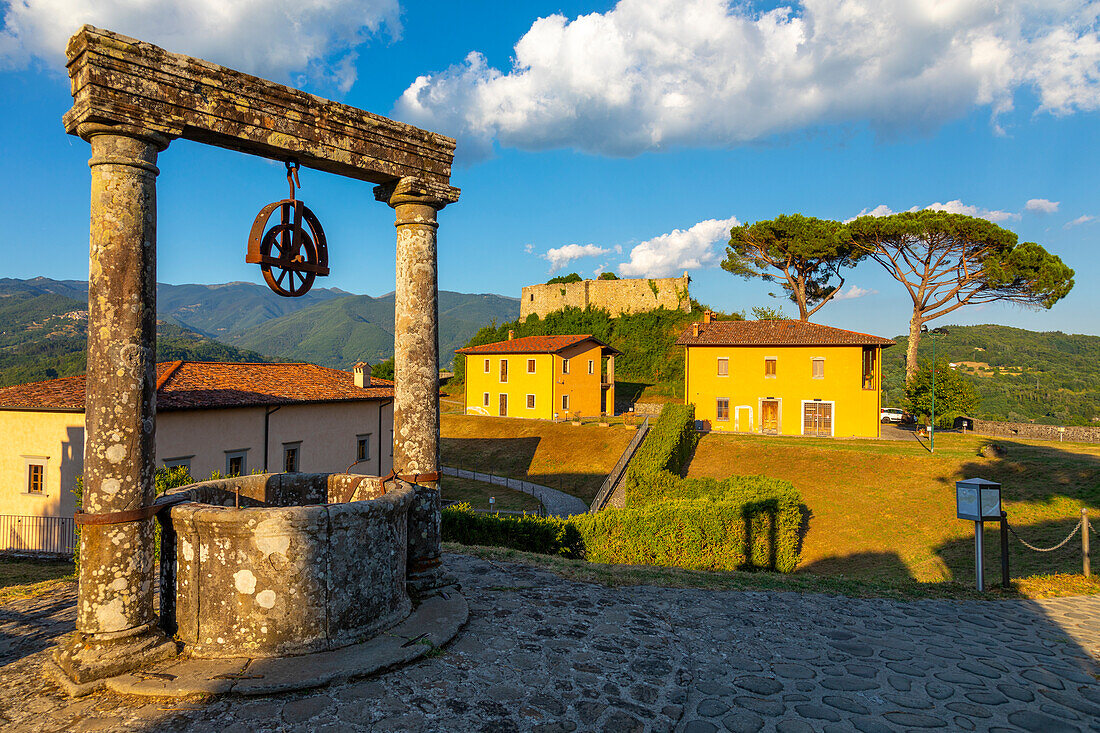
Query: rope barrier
[[1061, 544]]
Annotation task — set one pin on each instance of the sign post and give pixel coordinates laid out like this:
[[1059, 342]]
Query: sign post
[[978, 499]]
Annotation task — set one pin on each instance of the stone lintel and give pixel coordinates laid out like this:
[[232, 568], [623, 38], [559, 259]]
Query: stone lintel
[[118, 80]]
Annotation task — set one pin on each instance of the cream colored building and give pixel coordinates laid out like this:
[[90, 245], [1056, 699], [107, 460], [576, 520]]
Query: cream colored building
[[211, 417]]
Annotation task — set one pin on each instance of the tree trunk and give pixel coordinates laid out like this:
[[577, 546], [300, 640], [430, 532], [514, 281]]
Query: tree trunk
[[911, 348]]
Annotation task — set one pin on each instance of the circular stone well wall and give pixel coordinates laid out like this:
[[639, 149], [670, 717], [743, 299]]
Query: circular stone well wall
[[296, 569]]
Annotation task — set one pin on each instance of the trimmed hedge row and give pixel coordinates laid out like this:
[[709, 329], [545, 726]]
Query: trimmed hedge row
[[667, 447], [737, 523], [544, 535]]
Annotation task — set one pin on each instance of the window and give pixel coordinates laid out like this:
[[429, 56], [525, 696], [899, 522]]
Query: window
[[290, 457], [504, 370], [723, 409], [530, 366], [485, 399], [564, 366], [236, 463], [723, 366], [486, 366], [362, 447], [818, 367], [181, 462], [770, 363], [869, 354], [532, 297], [36, 477], [504, 405], [530, 402], [591, 367], [565, 402]]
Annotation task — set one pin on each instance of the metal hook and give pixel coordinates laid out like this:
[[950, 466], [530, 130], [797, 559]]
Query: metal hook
[[292, 167]]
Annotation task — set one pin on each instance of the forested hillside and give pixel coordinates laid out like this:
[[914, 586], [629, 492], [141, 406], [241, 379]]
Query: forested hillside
[[44, 336], [1049, 377]]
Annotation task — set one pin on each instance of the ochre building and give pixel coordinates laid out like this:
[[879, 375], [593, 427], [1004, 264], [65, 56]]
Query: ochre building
[[544, 377], [211, 416], [783, 378]]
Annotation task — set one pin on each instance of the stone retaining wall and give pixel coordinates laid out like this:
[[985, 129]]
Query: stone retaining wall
[[1073, 433]]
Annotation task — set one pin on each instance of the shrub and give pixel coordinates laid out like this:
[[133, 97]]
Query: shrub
[[667, 447], [742, 522], [527, 532]]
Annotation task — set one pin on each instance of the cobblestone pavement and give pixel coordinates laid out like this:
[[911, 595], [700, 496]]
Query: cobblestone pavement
[[541, 653]]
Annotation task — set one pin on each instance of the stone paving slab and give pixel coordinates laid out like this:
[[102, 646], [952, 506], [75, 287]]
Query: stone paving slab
[[543, 654]]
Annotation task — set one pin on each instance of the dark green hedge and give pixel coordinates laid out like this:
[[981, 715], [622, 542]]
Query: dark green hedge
[[527, 532], [667, 447]]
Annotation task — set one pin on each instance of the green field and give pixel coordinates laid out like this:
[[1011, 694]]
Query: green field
[[885, 511]]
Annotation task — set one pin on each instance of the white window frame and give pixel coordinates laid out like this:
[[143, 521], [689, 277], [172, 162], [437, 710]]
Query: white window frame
[[813, 363], [530, 366], [564, 366], [530, 402], [485, 399], [802, 413], [723, 360], [502, 374], [488, 368], [296, 446], [44, 463], [178, 461], [717, 414], [240, 453], [565, 403], [591, 366]]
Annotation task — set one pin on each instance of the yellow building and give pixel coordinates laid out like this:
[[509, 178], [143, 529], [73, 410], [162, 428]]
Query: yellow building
[[545, 377], [783, 378]]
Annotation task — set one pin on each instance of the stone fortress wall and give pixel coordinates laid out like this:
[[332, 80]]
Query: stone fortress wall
[[1073, 433], [635, 295]]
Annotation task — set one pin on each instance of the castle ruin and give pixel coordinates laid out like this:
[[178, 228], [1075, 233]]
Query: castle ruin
[[635, 295]]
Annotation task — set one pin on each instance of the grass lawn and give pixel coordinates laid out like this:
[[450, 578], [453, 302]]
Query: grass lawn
[[559, 455], [477, 494], [19, 578], [884, 511]]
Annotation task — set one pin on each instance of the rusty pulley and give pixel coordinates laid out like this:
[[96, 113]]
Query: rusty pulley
[[293, 252]]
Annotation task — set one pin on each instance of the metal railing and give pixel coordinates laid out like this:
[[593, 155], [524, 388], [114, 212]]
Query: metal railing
[[37, 535], [616, 475]]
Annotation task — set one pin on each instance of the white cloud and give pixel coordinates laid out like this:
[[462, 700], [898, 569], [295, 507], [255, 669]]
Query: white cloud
[[559, 257], [953, 207], [853, 292], [681, 249], [1083, 219], [529, 248], [654, 74], [289, 40], [1041, 206], [958, 207]]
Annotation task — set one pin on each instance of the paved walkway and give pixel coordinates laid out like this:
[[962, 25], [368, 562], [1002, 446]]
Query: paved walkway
[[545, 654], [557, 503]]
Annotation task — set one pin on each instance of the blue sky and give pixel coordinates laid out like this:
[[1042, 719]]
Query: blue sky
[[634, 130]]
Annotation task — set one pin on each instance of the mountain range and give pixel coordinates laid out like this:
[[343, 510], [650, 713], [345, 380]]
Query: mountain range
[[43, 325]]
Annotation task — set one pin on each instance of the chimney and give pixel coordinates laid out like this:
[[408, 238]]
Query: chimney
[[361, 374], [511, 334], [695, 329], [708, 316]]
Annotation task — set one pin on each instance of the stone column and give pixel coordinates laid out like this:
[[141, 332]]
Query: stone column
[[116, 627], [416, 372]]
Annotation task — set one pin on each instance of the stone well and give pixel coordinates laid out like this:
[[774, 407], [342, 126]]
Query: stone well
[[283, 564]]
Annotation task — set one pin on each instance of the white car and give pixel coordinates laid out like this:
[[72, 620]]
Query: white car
[[892, 414]]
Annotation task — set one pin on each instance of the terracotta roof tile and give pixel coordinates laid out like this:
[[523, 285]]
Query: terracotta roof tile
[[190, 385], [535, 345], [775, 333]]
